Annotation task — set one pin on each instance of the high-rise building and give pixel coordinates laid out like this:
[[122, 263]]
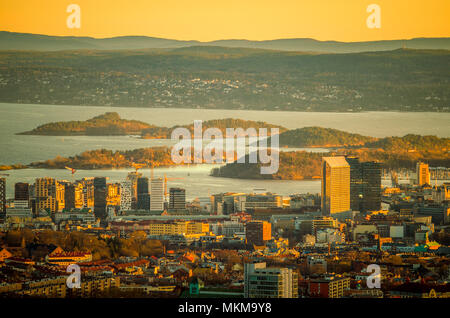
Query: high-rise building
[[365, 185], [258, 232], [113, 194], [143, 195], [263, 282], [157, 195], [177, 199], [423, 174], [335, 185], [74, 196], [21, 191], [133, 178], [49, 195], [100, 197], [125, 195], [88, 193], [2, 196]]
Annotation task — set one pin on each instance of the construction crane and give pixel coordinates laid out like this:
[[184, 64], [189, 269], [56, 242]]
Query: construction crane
[[137, 166], [72, 170], [165, 184]]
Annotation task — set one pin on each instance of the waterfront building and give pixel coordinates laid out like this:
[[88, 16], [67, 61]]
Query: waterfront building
[[423, 174], [22, 192], [263, 201], [73, 195], [335, 185], [177, 199], [157, 195], [2, 196], [88, 192], [100, 197], [49, 195], [125, 195], [365, 185], [143, 195], [133, 178], [113, 196]]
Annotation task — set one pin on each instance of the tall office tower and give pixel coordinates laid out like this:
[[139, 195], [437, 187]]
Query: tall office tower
[[59, 196], [113, 196], [258, 232], [74, 196], [21, 195], [335, 185], [49, 195], [423, 174], [157, 195], [125, 195], [133, 178], [21, 191], [365, 185], [266, 282], [143, 195], [2, 196], [88, 193], [177, 199], [100, 197]]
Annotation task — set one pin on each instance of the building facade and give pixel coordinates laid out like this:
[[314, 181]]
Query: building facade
[[365, 185], [177, 199], [423, 174], [258, 232], [263, 282], [157, 195], [335, 187]]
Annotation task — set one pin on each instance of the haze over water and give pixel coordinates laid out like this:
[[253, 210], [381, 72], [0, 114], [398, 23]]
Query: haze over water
[[15, 118]]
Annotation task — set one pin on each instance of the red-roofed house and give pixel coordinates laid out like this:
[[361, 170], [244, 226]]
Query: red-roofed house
[[59, 257], [4, 254]]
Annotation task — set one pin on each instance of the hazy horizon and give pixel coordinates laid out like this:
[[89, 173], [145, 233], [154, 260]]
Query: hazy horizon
[[224, 39], [343, 21]]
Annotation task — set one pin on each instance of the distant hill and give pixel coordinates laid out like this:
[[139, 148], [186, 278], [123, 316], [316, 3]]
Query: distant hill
[[230, 78], [322, 137], [27, 41]]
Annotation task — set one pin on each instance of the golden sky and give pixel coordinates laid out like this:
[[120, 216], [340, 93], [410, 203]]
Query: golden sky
[[206, 20]]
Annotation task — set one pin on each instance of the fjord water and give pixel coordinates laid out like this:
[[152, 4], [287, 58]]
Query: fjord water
[[15, 118]]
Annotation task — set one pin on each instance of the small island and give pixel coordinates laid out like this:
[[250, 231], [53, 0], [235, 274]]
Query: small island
[[392, 152], [108, 124], [322, 137]]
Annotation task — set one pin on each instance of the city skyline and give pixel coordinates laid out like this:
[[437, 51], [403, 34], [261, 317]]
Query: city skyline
[[306, 157]]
